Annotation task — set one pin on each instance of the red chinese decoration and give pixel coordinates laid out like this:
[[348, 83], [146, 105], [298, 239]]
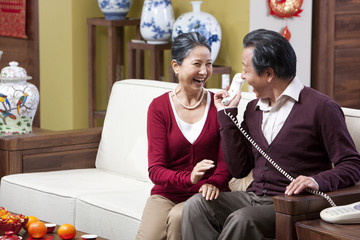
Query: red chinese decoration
[[13, 18], [285, 9], [286, 33]]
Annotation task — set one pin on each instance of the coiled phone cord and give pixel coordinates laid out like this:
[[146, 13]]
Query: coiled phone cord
[[267, 157]]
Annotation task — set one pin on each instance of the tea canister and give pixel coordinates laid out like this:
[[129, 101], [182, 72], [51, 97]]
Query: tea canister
[[19, 100]]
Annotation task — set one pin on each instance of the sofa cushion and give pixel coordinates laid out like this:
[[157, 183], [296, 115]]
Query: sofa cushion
[[56, 191], [123, 145], [113, 215]]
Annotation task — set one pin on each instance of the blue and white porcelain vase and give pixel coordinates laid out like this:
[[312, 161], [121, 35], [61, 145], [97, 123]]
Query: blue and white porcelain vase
[[115, 9], [19, 101], [202, 22], [157, 20]]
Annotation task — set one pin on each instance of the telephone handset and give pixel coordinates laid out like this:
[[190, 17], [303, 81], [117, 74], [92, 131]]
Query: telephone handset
[[235, 86], [334, 214]]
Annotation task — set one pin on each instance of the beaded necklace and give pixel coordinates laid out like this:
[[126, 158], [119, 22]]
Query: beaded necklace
[[193, 107]]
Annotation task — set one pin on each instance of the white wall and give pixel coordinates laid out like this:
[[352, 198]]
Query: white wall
[[299, 27]]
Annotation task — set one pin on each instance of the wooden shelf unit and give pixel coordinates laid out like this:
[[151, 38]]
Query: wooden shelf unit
[[115, 32], [136, 59]]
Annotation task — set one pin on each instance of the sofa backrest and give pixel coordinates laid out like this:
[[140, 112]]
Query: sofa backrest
[[352, 117], [123, 145]]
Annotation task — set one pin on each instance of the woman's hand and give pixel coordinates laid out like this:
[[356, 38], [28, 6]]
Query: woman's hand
[[220, 95], [300, 183], [209, 192], [200, 169]]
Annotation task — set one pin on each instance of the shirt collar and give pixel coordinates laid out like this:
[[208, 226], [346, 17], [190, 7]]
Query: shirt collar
[[292, 91]]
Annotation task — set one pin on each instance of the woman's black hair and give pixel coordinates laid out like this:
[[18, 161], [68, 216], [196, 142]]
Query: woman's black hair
[[184, 43], [271, 49]]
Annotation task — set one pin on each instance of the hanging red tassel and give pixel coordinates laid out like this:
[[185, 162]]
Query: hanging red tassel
[[286, 33]]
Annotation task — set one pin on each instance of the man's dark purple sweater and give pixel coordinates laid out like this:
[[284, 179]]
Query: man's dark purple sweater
[[313, 137]]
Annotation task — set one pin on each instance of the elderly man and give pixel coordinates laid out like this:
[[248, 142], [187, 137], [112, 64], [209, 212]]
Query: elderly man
[[302, 130]]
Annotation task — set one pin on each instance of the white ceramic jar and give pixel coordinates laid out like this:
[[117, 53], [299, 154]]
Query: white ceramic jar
[[202, 22], [115, 9], [157, 20], [19, 101]]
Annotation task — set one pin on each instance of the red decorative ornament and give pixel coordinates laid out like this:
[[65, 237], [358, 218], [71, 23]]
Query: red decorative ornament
[[285, 8], [286, 33]]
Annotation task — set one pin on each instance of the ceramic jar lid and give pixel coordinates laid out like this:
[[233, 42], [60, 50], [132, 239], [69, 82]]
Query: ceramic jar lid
[[9, 235], [13, 72]]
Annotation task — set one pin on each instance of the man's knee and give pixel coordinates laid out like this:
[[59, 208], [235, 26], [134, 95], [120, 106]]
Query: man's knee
[[250, 223], [242, 215], [193, 203]]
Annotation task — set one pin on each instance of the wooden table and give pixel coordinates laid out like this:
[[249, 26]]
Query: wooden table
[[321, 230]]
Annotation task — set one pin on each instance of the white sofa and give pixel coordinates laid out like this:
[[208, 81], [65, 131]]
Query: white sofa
[[108, 200]]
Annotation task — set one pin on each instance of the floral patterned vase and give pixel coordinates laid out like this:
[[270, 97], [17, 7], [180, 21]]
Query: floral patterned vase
[[18, 101], [115, 9], [157, 20], [202, 22]]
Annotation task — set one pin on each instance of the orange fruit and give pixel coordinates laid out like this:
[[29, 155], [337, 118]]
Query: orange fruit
[[66, 231], [31, 219], [37, 229]]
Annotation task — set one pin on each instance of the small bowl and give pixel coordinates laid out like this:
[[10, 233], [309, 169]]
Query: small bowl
[[88, 237], [50, 227]]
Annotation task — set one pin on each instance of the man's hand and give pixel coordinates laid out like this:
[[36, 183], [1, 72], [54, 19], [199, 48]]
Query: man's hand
[[209, 192], [300, 183], [218, 97], [200, 169]]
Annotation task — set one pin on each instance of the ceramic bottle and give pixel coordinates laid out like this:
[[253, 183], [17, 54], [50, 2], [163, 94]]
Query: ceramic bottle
[[202, 22], [157, 20], [115, 9]]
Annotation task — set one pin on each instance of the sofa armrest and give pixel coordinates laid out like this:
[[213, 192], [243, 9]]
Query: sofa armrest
[[291, 209], [45, 150]]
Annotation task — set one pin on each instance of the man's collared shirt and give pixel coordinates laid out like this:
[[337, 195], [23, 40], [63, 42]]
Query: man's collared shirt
[[274, 117]]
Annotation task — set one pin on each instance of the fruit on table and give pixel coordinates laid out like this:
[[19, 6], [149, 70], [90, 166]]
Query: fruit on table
[[31, 219], [66, 231], [7, 217], [37, 229]]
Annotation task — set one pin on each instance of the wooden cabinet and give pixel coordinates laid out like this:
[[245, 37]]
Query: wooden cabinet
[[45, 150], [336, 50]]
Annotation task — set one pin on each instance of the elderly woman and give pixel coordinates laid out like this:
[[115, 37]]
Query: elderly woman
[[184, 142]]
